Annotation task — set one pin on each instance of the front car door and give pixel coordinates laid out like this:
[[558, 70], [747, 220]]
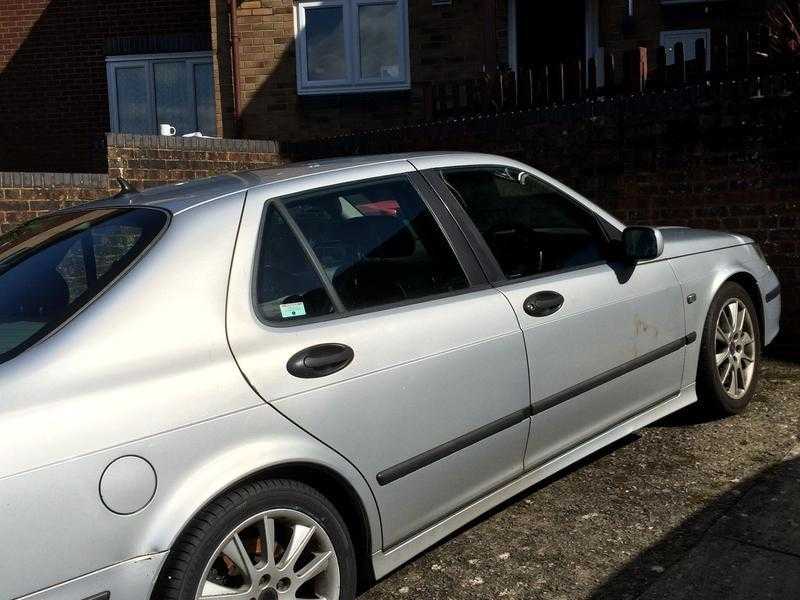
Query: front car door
[[605, 339], [421, 380]]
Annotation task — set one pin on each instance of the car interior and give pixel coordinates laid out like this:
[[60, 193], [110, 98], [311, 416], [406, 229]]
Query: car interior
[[529, 227], [377, 243]]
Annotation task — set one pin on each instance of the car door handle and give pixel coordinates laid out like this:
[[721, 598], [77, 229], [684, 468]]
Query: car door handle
[[543, 304], [320, 360]]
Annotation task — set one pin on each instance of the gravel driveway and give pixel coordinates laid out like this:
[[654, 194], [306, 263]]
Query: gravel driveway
[[684, 504]]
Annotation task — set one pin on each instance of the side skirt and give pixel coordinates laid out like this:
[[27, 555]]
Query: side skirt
[[386, 561]]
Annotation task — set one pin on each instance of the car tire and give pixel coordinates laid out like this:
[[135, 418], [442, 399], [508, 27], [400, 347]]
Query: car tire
[[729, 350], [209, 551]]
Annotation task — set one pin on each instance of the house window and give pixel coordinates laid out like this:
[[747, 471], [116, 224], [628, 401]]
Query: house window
[[351, 46], [687, 37], [145, 91]]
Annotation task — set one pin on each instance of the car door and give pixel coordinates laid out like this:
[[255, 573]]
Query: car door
[[355, 315], [605, 339]]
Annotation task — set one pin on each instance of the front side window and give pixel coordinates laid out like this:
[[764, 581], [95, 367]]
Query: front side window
[[54, 265], [351, 45], [529, 226], [148, 91], [352, 248]]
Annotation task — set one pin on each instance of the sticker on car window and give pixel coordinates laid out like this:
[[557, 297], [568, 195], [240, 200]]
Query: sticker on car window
[[293, 309]]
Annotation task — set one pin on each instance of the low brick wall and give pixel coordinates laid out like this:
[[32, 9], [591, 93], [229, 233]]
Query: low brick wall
[[148, 160], [24, 196]]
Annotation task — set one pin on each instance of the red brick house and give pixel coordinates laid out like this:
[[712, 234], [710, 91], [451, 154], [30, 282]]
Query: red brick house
[[289, 69]]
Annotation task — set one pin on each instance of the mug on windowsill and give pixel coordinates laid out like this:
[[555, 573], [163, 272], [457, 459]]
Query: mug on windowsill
[[167, 129]]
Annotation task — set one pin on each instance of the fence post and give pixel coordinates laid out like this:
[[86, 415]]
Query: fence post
[[610, 72], [724, 58], [701, 63], [680, 64], [561, 90], [660, 75], [591, 84], [546, 81], [635, 70], [747, 50]]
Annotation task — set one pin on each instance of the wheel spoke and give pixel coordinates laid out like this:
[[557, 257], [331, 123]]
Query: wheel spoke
[[269, 540], [301, 535], [315, 567], [722, 357], [722, 336], [726, 372], [236, 551], [746, 339], [733, 318], [742, 310]]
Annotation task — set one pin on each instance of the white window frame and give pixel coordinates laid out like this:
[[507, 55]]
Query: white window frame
[[669, 37], [353, 82], [146, 61]]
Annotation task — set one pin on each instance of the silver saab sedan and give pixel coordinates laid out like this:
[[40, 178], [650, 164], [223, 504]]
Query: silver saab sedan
[[286, 383]]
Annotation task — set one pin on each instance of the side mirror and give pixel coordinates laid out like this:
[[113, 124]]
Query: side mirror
[[642, 243]]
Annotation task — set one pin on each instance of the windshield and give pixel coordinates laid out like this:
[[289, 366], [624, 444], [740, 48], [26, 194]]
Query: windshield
[[54, 265]]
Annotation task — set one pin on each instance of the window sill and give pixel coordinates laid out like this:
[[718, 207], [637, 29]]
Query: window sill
[[353, 89]]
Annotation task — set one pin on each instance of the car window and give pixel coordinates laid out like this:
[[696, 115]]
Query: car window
[[529, 226], [52, 266], [288, 286], [375, 243]]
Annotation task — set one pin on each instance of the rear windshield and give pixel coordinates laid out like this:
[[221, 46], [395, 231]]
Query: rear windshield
[[54, 265]]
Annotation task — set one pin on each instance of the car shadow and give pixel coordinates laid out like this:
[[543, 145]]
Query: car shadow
[[743, 545]]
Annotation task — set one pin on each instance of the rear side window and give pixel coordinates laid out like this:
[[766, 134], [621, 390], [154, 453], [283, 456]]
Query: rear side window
[[352, 248], [53, 266], [529, 226]]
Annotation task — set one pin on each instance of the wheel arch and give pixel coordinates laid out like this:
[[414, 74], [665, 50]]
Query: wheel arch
[[750, 285]]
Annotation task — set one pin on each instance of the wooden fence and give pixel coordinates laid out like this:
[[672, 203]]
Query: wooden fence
[[634, 71]]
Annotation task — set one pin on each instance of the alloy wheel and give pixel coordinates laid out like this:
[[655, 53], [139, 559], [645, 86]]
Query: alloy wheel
[[280, 554], [735, 348]]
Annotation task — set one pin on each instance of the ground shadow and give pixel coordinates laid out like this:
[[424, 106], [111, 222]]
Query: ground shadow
[[745, 544]]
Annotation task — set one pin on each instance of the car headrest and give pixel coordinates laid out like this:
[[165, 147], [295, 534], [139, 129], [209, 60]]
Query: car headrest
[[380, 236]]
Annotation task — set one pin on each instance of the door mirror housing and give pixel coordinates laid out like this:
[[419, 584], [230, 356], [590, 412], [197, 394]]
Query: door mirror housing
[[642, 243]]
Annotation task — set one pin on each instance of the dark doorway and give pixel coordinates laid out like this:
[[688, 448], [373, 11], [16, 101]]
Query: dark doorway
[[550, 32]]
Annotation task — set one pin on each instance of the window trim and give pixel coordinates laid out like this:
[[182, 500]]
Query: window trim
[[353, 83], [47, 334], [494, 272], [468, 263], [147, 61]]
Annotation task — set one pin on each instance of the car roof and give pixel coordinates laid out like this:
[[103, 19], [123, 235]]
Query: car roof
[[179, 197]]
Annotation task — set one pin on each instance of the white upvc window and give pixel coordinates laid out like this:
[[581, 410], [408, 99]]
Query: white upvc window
[[351, 46]]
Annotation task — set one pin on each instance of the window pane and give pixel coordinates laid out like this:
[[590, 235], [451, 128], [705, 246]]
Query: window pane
[[530, 227], [172, 104], [378, 26], [204, 98], [133, 107], [287, 286], [52, 266], [378, 243], [325, 43]]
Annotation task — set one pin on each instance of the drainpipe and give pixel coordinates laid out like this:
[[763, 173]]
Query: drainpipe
[[233, 30]]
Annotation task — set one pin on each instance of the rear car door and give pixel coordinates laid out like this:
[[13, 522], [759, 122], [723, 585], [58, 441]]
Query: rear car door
[[357, 310], [605, 339]]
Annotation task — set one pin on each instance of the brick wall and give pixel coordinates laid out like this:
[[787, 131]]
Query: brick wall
[[53, 92], [446, 43], [707, 156], [144, 160], [24, 196], [149, 160]]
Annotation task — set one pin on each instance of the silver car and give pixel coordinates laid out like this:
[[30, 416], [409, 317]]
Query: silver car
[[286, 383]]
